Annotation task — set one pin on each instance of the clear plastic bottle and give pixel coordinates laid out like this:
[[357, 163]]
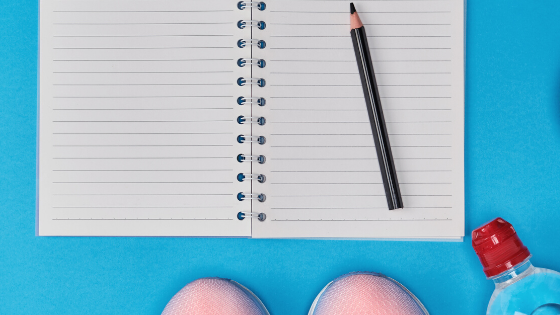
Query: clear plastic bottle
[[521, 289]]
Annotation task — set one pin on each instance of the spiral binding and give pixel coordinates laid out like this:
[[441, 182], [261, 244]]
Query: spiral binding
[[251, 120], [260, 216], [261, 25], [260, 139], [242, 43], [241, 5], [260, 101], [261, 159], [245, 196], [251, 100], [260, 82], [241, 62], [258, 177]]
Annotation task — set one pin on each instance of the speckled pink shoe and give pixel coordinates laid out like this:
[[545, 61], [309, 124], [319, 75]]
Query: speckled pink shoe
[[366, 293], [215, 296]]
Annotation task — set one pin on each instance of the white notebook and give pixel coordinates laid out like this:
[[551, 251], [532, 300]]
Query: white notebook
[[139, 113]]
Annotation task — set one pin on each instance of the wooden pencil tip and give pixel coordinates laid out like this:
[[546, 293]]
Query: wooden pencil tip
[[354, 18]]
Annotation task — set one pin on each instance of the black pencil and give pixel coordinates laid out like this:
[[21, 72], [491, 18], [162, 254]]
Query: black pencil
[[373, 103]]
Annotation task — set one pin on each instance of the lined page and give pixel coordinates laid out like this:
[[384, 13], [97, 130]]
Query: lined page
[[323, 176], [137, 109]]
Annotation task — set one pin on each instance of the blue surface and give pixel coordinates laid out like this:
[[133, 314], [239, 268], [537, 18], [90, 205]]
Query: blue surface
[[512, 170]]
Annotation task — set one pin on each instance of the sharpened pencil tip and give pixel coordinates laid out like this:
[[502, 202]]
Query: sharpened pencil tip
[[354, 18]]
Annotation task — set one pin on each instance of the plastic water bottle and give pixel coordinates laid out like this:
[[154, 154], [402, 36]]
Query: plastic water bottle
[[521, 289]]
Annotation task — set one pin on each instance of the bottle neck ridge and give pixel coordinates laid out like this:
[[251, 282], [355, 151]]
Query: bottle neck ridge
[[514, 274]]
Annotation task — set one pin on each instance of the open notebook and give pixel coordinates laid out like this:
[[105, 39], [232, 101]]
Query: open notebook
[[139, 119]]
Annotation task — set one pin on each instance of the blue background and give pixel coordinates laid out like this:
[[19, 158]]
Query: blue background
[[512, 170]]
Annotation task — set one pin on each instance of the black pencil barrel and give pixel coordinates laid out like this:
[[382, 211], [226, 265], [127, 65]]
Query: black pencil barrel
[[377, 121]]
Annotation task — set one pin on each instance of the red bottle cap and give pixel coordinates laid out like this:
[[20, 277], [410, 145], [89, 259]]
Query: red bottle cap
[[498, 247]]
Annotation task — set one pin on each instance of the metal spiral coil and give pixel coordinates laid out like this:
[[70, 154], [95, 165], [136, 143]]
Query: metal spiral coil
[[261, 121], [260, 82], [241, 5], [246, 196], [242, 215], [258, 177], [261, 25], [242, 43], [261, 63], [251, 100]]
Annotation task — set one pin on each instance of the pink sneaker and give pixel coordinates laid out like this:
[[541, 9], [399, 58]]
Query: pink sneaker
[[215, 296], [366, 293]]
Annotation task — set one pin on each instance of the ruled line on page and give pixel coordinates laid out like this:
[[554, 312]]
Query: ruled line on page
[[357, 134], [142, 133], [350, 97], [144, 158], [345, 208], [137, 48], [361, 12], [139, 170], [140, 60], [335, 48], [359, 122], [354, 183], [200, 194], [356, 73], [146, 23], [138, 145], [360, 171], [152, 97], [340, 85], [357, 110], [356, 220], [355, 159], [143, 109], [139, 11], [148, 219], [358, 146], [376, 24], [139, 72], [158, 35], [143, 182], [375, 61], [139, 121], [352, 196], [372, 36], [134, 207], [142, 84]]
